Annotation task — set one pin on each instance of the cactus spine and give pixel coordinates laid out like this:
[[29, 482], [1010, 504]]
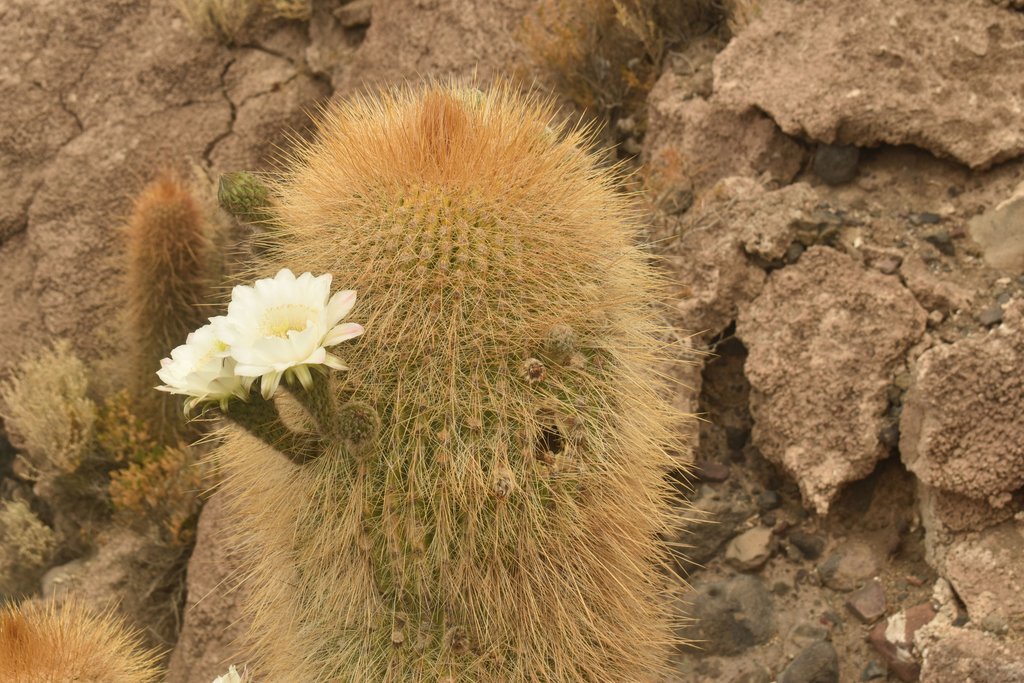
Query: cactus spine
[[172, 264], [40, 642], [474, 513]]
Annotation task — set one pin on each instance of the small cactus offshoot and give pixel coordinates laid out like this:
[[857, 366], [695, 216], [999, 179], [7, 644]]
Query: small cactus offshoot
[[42, 642], [243, 196]]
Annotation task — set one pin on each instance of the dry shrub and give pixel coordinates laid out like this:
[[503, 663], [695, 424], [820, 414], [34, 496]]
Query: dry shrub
[[49, 417], [226, 20], [28, 548], [163, 491], [605, 55]]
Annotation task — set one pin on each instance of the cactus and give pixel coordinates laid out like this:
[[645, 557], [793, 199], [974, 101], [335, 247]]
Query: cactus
[[476, 506], [242, 195], [41, 642], [172, 264]]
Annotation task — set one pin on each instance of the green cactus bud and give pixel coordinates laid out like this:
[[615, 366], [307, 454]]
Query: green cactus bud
[[244, 196], [358, 424]]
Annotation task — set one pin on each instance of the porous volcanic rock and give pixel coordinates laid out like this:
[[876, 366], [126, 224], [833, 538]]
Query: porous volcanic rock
[[463, 38], [212, 637], [879, 72], [738, 220], [986, 571], [698, 142], [824, 340], [969, 655], [960, 429]]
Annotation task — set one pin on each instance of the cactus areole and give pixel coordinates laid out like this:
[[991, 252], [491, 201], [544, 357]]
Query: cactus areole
[[487, 494]]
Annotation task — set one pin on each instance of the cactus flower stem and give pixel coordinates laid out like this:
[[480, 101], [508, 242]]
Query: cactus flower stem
[[321, 405], [261, 418]]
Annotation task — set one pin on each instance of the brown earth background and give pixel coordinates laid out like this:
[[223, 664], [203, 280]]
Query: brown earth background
[[836, 187]]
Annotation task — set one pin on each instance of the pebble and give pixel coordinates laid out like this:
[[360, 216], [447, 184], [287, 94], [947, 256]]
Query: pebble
[[888, 264], [836, 164], [867, 603], [893, 638], [714, 472], [795, 251], [732, 616], [810, 545], [736, 437], [750, 550], [355, 14], [991, 316], [936, 317], [942, 241], [872, 671], [926, 218], [817, 663], [767, 500], [849, 566]]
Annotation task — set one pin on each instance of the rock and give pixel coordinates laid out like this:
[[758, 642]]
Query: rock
[[872, 671], [724, 515], [737, 218], [750, 550], [803, 635], [848, 74], [84, 128], [868, 602], [731, 616], [849, 566], [213, 635], [960, 429], [894, 640], [941, 239], [969, 656], [1000, 234], [810, 545], [103, 578], [355, 14], [836, 164], [767, 500], [934, 291], [993, 315], [693, 142], [824, 339], [946, 512], [818, 663], [712, 471], [986, 571], [434, 39], [757, 675]]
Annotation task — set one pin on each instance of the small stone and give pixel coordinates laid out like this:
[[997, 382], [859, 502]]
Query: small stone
[[872, 671], [941, 241], [781, 588], [794, 252], [926, 218], [994, 623], [893, 638], [736, 437], [850, 565], [888, 264], [890, 435], [677, 202], [836, 164], [810, 545], [867, 603], [991, 316], [750, 550], [818, 663], [713, 472], [355, 14], [805, 634], [731, 616], [935, 318], [768, 519], [767, 500]]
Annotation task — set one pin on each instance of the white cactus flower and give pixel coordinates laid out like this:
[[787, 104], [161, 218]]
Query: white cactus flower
[[232, 676], [202, 369], [283, 325]]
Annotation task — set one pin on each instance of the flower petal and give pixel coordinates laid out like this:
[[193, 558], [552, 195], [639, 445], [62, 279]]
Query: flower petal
[[341, 333], [340, 305], [269, 383]]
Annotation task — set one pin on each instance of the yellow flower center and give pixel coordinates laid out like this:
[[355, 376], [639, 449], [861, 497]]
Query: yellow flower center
[[278, 321]]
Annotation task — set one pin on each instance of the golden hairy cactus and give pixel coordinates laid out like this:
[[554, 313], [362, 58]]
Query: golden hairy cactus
[[171, 265], [40, 643], [488, 523]]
